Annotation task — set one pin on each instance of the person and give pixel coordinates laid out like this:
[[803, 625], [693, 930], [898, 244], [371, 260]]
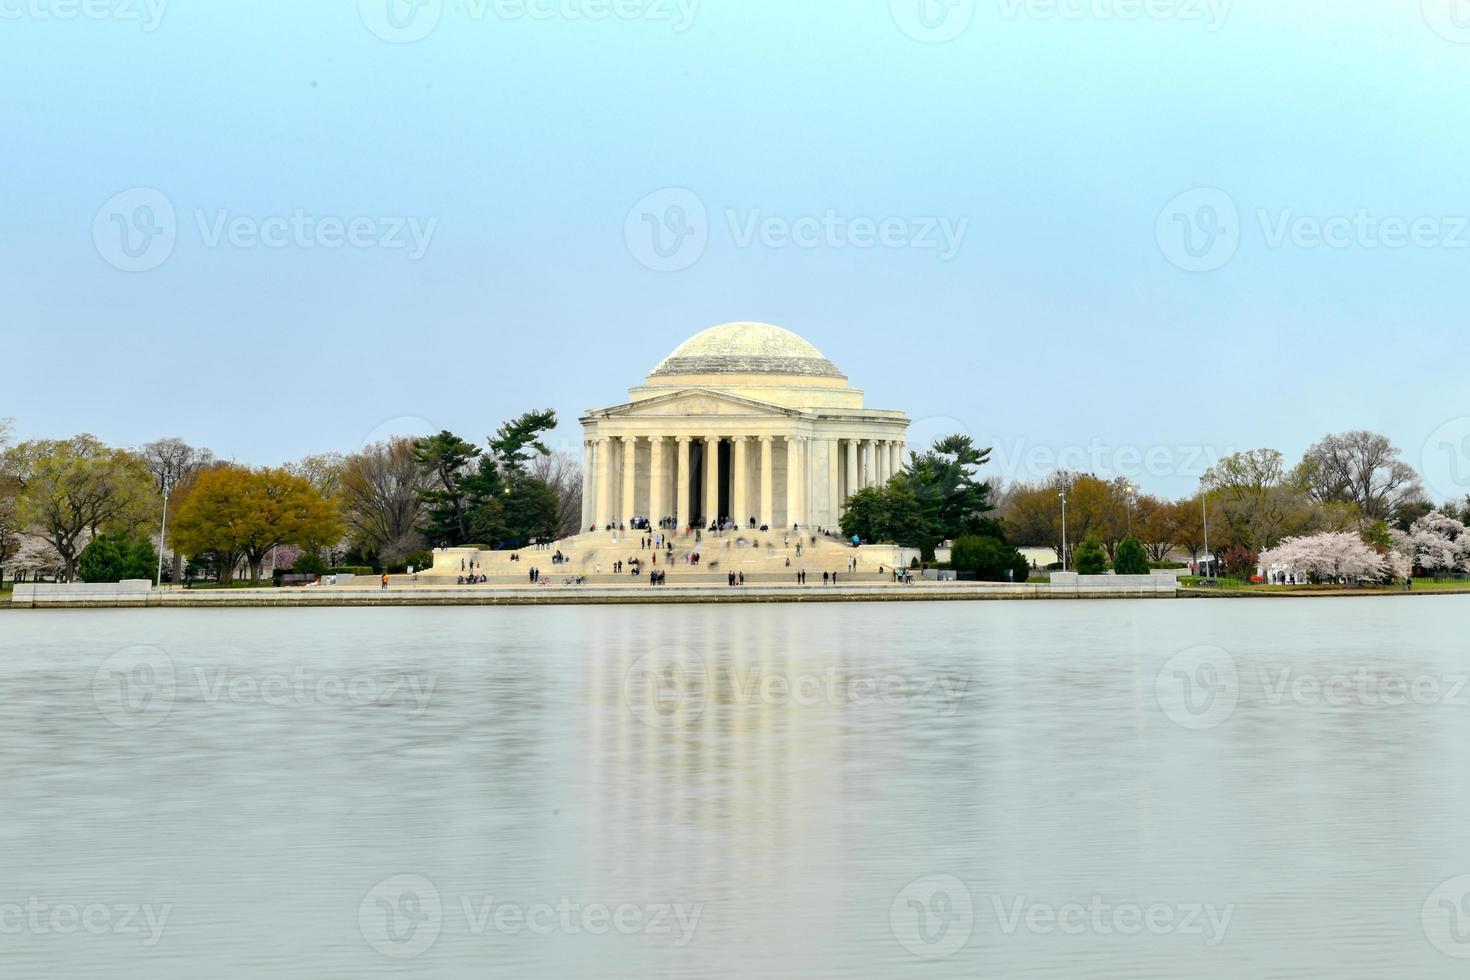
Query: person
[[385, 581], [824, 578]]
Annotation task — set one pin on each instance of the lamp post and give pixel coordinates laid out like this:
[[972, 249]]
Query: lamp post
[[1205, 513], [163, 531], [1063, 494]]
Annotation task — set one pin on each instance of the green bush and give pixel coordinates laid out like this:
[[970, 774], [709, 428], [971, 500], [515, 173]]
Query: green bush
[[990, 559], [308, 564], [1131, 558], [1090, 558], [114, 557]]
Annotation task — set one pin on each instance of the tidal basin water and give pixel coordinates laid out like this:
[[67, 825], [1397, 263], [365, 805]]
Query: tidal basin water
[[996, 789]]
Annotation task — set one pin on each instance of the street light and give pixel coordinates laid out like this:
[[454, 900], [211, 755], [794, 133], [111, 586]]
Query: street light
[[167, 484], [1063, 494]]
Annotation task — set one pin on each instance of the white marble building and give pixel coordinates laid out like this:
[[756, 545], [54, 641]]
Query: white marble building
[[742, 420]]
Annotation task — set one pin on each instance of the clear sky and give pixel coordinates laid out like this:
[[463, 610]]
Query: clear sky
[[1129, 235]]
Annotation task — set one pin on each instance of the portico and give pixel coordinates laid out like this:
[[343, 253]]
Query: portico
[[743, 421]]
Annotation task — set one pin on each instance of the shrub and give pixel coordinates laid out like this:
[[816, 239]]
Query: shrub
[[114, 557], [1090, 558], [309, 564], [1131, 558], [989, 558]]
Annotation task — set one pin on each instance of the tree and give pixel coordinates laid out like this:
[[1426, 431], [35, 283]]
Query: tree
[[322, 470], [563, 474], [115, 557], [444, 462], [236, 511], [172, 461], [1187, 518], [1361, 468], [1329, 556], [890, 514], [508, 445], [380, 502], [10, 526], [1259, 502], [1130, 558], [1439, 544], [990, 559], [72, 489], [1090, 558], [946, 483], [1160, 531]]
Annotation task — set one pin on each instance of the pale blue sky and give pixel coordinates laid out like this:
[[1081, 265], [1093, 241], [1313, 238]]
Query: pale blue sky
[[1054, 133]]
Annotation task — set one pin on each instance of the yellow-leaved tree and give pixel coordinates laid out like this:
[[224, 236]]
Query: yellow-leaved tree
[[238, 513]]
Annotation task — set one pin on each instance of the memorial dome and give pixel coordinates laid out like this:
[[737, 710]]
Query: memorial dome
[[746, 348]]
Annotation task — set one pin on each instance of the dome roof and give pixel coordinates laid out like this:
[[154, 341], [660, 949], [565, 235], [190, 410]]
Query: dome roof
[[747, 348]]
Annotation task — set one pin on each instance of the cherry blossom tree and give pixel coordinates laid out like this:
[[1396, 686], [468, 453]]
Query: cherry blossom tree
[[1438, 543], [1330, 556]]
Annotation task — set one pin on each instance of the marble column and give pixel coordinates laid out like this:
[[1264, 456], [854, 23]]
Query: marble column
[[681, 498], [834, 480], [629, 507], [711, 479], [895, 458], [767, 514], [795, 450], [853, 448], [658, 480], [739, 506], [604, 482], [871, 477], [588, 500]]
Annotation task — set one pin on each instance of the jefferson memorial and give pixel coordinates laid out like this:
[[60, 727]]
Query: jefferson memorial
[[742, 421]]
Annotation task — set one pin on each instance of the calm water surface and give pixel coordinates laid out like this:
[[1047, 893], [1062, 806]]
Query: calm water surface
[[1003, 789]]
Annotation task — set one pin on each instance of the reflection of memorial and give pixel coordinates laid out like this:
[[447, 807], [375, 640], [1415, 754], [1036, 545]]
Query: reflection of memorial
[[706, 782], [743, 420]]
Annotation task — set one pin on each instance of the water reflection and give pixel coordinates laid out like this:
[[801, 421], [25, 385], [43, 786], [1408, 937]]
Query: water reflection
[[865, 790]]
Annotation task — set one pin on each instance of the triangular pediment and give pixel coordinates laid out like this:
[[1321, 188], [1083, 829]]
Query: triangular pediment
[[696, 402]]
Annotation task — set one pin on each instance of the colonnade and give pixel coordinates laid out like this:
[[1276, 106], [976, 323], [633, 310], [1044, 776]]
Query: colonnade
[[778, 480]]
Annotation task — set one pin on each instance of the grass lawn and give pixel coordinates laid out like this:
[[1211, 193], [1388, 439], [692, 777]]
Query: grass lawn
[[1227, 584]]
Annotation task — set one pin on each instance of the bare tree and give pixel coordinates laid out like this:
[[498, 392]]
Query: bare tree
[[173, 462], [563, 473], [1360, 468], [379, 498], [322, 470]]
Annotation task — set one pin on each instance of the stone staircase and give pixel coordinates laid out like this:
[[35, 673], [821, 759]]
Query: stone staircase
[[764, 557]]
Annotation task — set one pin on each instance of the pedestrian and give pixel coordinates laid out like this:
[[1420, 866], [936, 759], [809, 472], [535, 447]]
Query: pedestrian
[[385, 581]]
